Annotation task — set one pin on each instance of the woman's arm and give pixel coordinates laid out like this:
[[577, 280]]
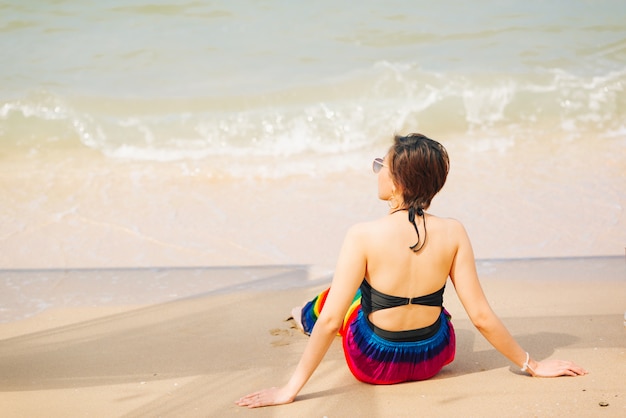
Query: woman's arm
[[465, 279], [348, 275]]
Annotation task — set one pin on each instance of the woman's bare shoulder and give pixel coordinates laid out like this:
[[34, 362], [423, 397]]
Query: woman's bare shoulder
[[365, 230], [451, 224], [366, 227]]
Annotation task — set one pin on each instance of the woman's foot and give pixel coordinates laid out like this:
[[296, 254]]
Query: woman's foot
[[296, 315]]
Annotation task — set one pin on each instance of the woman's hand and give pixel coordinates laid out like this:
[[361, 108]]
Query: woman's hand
[[267, 397], [554, 368]]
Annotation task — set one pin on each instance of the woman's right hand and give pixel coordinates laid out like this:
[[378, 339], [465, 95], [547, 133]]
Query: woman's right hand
[[267, 397]]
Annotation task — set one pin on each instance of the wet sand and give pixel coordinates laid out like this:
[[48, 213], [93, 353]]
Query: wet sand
[[78, 209]]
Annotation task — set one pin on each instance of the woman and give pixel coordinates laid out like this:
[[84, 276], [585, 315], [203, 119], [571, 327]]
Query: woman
[[396, 329]]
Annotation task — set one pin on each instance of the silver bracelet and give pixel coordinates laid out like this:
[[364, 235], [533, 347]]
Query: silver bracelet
[[526, 365]]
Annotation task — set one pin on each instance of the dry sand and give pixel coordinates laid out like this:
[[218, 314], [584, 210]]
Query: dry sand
[[189, 348]]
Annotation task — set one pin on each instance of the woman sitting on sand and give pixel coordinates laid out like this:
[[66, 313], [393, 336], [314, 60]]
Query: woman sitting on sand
[[395, 329]]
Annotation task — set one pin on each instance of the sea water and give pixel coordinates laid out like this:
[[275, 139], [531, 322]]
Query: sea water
[[163, 80], [529, 97]]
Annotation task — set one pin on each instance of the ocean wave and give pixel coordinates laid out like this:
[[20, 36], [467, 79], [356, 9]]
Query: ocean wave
[[341, 116]]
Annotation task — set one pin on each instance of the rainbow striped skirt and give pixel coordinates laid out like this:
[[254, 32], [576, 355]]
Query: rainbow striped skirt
[[383, 361]]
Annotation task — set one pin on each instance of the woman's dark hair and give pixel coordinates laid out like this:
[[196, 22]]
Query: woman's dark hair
[[419, 166]]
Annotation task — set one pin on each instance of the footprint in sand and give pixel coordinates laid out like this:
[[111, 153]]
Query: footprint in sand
[[284, 334]]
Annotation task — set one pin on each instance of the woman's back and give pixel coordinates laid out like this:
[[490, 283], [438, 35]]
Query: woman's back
[[394, 269]]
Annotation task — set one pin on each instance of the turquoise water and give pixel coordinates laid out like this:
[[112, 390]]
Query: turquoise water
[[250, 81]]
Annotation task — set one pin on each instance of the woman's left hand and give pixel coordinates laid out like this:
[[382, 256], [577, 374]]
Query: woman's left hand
[[266, 397], [554, 368]]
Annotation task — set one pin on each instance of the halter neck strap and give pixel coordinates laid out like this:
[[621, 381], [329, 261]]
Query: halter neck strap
[[412, 212]]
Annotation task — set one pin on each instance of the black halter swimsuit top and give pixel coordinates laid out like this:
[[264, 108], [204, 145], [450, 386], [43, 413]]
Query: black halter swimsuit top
[[372, 300]]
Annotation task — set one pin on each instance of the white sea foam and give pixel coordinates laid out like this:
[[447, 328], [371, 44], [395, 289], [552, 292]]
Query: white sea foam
[[342, 118]]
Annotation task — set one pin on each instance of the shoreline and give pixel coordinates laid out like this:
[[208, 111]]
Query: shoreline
[[29, 292]]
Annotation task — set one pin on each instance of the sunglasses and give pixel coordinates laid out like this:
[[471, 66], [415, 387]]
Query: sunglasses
[[377, 165]]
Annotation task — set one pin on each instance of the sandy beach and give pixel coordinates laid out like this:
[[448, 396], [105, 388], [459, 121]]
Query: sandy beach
[[134, 291], [191, 350], [137, 292]]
